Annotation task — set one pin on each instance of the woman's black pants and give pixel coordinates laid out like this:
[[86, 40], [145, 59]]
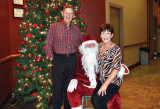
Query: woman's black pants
[[99, 101]]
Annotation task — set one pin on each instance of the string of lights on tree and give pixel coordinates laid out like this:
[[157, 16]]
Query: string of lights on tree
[[33, 69]]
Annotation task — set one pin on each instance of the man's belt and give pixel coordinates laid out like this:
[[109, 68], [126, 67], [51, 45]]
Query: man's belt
[[65, 55]]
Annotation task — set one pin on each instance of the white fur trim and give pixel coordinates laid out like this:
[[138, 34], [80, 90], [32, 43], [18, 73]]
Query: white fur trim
[[122, 71], [79, 107], [88, 42], [72, 85]]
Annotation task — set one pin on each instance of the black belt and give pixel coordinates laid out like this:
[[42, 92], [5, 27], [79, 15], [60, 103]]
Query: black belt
[[64, 55]]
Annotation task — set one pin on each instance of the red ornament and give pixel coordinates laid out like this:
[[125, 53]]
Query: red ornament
[[19, 93], [24, 26], [45, 84], [29, 45], [56, 7], [84, 28], [43, 48], [64, 5], [41, 25], [29, 24], [34, 46], [49, 99], [83, 22], [29, 55], [26, 75], [47, 12], [35, 25], [18, 65], [40, 39], [38, 0], [34, 94], [38, 60], [29, 35], [26, 8], [50, 71], [24, 68], [19, 51], [27, 86], [23, 43], [35, 57], [40, 69], [34, 7], [79, 4], [41, 6]]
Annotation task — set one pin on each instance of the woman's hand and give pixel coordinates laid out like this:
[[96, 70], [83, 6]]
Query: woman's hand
[[102, 90]]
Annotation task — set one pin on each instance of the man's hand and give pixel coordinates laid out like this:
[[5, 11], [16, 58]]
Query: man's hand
[[50, 59]]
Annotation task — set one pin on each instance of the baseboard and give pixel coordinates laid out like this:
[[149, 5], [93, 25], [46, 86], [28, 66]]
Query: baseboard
[[134, 65], [5, 101]]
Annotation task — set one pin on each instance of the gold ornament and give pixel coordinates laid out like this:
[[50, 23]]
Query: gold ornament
[[30, 65]]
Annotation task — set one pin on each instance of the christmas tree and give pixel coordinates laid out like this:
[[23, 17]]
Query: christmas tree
[[33, 69]]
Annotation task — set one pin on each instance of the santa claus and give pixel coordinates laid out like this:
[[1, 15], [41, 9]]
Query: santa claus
[[86, 77]]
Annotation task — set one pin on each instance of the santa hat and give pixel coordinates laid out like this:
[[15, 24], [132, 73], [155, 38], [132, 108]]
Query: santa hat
[[87, 39]]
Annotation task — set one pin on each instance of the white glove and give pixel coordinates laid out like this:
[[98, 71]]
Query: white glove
[[72, 85], [123, 71], [92, 79]]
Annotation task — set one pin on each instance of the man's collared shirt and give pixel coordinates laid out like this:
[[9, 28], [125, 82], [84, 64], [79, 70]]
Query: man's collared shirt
[[61, 39]]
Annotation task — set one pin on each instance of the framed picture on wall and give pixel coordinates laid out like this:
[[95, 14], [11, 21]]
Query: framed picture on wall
[[18, 12], [18, 2]]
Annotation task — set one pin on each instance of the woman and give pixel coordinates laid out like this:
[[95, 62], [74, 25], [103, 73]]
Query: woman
[[109, 60]]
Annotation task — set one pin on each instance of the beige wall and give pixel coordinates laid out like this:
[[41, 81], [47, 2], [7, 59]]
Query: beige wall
[[134, 27]]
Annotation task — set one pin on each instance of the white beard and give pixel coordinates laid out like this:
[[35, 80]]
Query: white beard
[[89, 59]]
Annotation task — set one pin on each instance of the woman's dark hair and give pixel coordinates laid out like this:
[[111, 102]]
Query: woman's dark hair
[[108, 27]]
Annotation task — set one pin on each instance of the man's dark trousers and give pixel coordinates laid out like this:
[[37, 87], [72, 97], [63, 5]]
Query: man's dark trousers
[[63, 69]]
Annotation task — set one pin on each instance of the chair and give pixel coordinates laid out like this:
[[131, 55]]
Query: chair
[[86, 98]]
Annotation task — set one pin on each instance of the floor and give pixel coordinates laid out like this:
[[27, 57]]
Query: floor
[[140, 89]]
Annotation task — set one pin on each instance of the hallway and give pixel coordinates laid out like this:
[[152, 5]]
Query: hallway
[[140, 89]]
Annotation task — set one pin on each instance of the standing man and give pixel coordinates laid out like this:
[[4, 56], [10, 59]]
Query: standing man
[[61, 43]]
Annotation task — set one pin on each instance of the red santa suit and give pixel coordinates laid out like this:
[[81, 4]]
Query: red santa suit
[[84, 82]]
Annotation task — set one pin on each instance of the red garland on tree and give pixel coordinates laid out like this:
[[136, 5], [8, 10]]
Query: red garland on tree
[[26, 75], [34, 71]]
